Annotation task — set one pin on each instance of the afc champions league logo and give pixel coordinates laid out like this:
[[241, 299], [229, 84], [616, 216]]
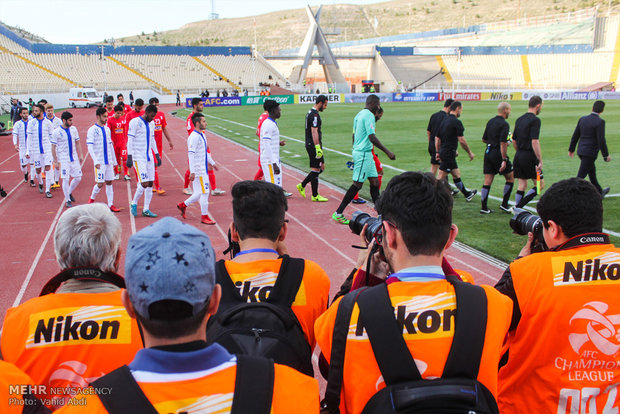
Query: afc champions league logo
[[602, 330]]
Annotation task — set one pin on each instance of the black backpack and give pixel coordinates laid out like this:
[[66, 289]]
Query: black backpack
[[457, 391], [253, 389], [268, 328]]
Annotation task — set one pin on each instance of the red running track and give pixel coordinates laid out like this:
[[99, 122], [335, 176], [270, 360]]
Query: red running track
[[27, 258]]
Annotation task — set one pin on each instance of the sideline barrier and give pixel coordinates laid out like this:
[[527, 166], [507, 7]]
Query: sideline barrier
[[216, 101], [415, 97], [311, 98]]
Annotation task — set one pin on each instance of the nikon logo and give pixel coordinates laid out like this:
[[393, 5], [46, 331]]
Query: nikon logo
[[500, 96], [590, 270], [253, 294], [426, 322], [61, 329]]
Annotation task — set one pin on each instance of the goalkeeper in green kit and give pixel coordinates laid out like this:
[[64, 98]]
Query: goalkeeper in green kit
[[314, 147]]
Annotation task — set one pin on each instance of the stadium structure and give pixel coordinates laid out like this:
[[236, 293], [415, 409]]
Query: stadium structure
[[571, 51]]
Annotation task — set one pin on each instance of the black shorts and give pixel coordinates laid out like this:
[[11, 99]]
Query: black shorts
[[432, 152], [493, 162], [525, 163], [448, 162], [314, 161]]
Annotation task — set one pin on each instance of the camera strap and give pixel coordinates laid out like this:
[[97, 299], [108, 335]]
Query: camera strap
[[583, 240], [82, 273]]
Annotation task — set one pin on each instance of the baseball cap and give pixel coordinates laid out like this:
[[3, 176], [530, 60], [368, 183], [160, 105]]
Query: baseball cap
[[169, 260]]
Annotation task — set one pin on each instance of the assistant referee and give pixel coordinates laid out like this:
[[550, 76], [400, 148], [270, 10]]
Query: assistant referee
[[528, 158]]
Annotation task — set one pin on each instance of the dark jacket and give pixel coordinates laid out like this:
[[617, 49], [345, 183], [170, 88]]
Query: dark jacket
[[591, 131]]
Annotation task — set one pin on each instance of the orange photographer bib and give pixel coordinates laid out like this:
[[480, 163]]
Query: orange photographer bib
[[64, 341], [564, 356], [292, 393], [255, 280], [426, 312]]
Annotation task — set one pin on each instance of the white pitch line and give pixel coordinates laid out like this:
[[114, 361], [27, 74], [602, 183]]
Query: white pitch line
[[11, 192], [132, 219], [475, 269], [14, 155], [26, 281]]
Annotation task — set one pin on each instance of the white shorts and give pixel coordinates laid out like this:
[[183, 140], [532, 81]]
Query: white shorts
[[104, 173], [145, 170], [270, 176], [41, 160], [71, 169], [201, 184], [22, 158]]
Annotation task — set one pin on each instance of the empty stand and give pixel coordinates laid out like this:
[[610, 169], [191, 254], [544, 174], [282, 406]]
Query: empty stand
[[413, 70]]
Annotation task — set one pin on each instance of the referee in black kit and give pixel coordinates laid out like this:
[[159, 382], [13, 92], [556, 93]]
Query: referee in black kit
[[591, 131], [314, 148], [433, 130], [449, 136], [528, 158], [496, 159]]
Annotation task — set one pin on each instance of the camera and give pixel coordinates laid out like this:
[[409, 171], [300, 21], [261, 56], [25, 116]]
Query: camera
[[2, 192], [360, 219], [524, 222]]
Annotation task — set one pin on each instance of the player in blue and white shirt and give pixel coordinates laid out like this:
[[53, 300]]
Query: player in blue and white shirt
[[270, 145], [20, 138], [101, 150], [140, 147], [199, 162], [39, 147], [67, 155], [56, 123]]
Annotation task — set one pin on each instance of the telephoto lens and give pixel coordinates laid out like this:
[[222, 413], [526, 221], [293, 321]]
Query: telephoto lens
[[359, 219]]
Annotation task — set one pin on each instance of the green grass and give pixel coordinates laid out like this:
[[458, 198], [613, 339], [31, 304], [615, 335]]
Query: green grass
[[403, 130]]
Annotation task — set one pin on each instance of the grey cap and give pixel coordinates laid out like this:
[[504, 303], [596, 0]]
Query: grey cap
[[169, 260]]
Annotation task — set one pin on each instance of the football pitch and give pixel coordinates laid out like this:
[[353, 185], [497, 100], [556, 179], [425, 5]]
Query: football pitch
[[403, 130]]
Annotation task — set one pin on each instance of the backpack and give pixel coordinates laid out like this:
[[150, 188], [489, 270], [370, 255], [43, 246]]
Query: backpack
[[253, 389], [457, 391], [269, 328]]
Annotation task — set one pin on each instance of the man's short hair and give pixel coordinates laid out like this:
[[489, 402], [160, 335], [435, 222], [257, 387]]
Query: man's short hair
[[196, 118], [119, 108], [42, 101], [574, 204], [448, 102], [196, 101], [49, 106], [100, 111], [23, 108], [455, 105], [270, 105], [120, 95], [420, 206], [88, 235], [153, 101], [503, 106], [598, 107], [258, 209], [534, 101], [139, 102], [41, 107], [66, 115], [109, 98], [151, 109], [373, 101], [320, 98]]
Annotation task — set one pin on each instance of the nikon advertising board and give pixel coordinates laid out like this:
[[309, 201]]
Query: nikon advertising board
[[311, 98], [258, 100], [501, 96]]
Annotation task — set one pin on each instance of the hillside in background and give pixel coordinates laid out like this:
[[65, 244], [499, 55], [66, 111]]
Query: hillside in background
[[345, 22]]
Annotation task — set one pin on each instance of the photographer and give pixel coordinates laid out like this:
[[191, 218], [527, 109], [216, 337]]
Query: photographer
[[565, 310], [415, 231]]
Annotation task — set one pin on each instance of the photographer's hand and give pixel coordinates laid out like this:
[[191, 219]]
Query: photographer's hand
[[527, 249]]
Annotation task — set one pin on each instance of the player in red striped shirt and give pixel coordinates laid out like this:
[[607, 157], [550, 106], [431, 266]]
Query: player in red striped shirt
[[160, 131], [118, 129]]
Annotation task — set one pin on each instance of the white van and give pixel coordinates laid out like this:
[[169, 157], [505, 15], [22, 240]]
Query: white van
[[84, 98]]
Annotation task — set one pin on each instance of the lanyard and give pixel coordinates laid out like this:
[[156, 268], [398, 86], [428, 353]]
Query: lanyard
[[256, 251], [416, 277]]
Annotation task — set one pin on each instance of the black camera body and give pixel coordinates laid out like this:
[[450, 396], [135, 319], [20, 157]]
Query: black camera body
[[360, 219], [524, 222]]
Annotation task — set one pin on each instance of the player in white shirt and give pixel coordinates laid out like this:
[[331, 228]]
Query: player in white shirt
[[20, 138], [56, 123], [39, 147], [140, 148], [67, 155], [270, 145], [199, 162], [101, 150]]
